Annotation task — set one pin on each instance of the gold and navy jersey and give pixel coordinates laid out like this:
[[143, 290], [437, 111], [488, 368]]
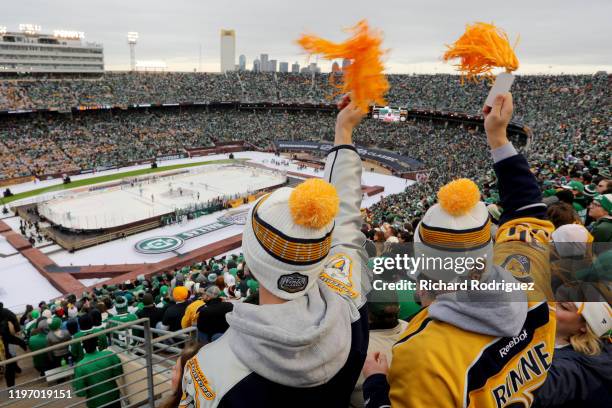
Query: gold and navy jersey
[[522, 247], [436, 364]]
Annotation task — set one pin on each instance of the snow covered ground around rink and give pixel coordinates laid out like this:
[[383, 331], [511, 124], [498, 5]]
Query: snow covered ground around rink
[[21, 284]]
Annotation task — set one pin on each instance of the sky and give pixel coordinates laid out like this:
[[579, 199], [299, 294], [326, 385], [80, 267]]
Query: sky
[[555, 35]]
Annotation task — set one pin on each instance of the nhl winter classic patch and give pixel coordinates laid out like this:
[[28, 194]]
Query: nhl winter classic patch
[[292, 283], [338, 275]]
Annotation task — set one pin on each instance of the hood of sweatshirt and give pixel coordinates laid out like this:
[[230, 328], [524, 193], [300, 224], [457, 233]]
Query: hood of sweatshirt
[[300, 343], [492, 312]]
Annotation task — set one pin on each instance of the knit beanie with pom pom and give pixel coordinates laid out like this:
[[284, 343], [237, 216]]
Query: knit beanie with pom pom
[[288, 235]]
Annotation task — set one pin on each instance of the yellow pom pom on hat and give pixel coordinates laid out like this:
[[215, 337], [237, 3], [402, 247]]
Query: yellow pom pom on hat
[[459, 221], [288, 234], [459, 196], [314, 203]]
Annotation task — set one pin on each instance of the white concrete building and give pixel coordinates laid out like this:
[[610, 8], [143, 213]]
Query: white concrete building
[[30, 51]]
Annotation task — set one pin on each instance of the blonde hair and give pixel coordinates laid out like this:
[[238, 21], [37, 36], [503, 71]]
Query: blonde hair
[[586, 343], [190, 350]]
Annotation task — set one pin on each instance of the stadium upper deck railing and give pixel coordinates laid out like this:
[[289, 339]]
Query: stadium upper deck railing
[[147, 364]]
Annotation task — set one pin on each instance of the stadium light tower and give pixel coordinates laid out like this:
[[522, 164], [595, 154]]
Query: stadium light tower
[[132, 38]]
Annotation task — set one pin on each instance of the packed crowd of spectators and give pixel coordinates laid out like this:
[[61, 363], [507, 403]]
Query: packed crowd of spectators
[[117, 89], [567, 114], [52, 145]]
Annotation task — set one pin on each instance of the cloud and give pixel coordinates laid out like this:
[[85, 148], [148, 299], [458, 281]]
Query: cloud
[[552, 33]]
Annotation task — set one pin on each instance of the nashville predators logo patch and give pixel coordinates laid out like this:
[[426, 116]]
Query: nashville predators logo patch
[[338, 275], [200, 382], [519, 266]]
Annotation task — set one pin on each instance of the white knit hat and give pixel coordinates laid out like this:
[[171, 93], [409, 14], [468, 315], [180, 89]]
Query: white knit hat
[[598, 316], [458, 226], [571, 240], [287, 237]]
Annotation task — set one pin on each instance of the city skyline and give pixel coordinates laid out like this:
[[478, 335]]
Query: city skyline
[[555, 36]]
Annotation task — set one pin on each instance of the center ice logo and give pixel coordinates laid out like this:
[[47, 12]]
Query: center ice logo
[[158, 245]]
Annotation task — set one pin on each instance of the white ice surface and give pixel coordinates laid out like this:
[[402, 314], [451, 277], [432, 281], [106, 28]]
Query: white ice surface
[[121, 205]]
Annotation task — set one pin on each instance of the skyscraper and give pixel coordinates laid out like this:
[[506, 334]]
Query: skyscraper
[[335, 67], [228, 50], [295, 68], [283, 67], [313, 68], [272, 66], [345, 63], [256, 65], [263, 60], [242, 62]]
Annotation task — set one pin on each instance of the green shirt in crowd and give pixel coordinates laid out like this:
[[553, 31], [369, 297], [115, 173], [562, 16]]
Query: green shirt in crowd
[[97, 374], [120, 319], [602, 230], [76, 349], [39, 342]]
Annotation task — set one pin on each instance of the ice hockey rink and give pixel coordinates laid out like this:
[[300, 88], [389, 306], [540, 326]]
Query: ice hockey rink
[[143, 198]]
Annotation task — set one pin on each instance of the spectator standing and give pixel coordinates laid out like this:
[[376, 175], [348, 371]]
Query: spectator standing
[[56, 336], [173, 400], [211, 320], [385, 330], [9, 325], [175, 312], [38, 341], [600, 210], [581, 371], [94, 376], [425, 371]]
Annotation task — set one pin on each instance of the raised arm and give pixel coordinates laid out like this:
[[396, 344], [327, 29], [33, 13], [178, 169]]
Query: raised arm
[[518, 189], [346, 269], [343, 170], [523, 218]]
